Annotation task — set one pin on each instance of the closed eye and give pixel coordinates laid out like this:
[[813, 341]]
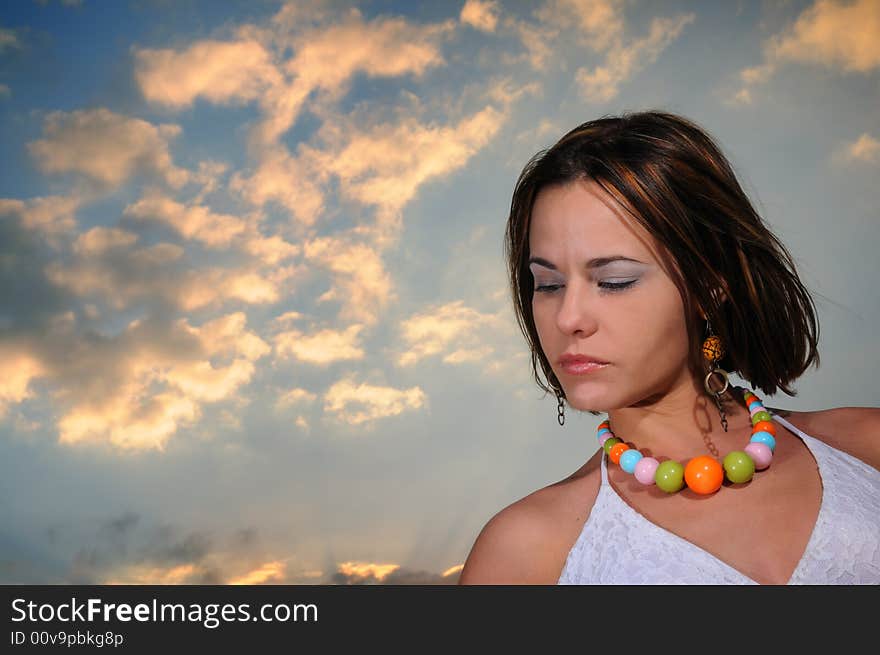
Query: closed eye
[[616, 286], [607, 286]]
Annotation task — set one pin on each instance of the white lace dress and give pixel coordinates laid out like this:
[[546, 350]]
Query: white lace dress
[[617, 545]]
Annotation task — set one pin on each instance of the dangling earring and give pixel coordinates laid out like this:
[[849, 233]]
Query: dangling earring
[[713, 350], [560, 409]]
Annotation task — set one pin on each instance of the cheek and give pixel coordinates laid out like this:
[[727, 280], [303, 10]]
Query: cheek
[[655, 329]]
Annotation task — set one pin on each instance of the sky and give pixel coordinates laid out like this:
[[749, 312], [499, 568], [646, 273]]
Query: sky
[[254, 317]]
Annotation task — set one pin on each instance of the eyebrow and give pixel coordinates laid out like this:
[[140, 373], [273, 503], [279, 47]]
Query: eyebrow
[[596, 262]]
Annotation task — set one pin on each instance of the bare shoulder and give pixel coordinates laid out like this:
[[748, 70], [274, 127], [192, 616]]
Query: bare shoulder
[[528, 541], [854, 430]]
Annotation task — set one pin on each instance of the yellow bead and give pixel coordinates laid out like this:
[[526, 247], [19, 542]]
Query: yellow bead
[[712, 348]]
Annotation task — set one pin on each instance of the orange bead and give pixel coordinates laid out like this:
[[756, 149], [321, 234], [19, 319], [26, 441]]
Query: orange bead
[[616, 451], [703, 475], [766, 426], [713, 350]]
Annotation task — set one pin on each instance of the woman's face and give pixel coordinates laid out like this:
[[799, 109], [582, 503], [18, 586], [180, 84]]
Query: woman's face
[[600, 291]]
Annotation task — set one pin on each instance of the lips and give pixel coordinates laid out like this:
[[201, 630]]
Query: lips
[[581, 364]]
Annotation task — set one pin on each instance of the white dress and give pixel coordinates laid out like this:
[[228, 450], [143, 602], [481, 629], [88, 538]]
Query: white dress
[[617, 545]]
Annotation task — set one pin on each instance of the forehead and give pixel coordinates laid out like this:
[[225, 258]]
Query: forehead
[[582, 219]]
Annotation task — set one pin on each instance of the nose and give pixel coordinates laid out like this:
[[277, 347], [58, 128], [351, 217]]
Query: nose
[[576, 314]]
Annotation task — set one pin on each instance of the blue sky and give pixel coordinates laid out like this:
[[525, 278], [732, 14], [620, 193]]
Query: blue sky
[[254, 322]]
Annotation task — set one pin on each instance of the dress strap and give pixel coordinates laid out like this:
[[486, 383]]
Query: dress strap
[[604, 469]]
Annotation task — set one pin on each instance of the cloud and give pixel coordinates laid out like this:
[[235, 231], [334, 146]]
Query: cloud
[[367, 573], [254, 68], [100, 240], [599, 24], [129, 550], [452, 329], [267, 572], [538, 134], [623, 60], [123, 275], [295, 396], [358, 403], [281, 178], [8, 39], [833, 34], [864, 150], [322, 347], [326, 58], [221, 72], [192, 222], [385, 165], [271, 250], [361, 284], [154, 379], [51, 216], [18, 368], [106, 147], [537, 39], [480, 14]]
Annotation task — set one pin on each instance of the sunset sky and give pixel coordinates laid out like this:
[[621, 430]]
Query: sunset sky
[[254, 319]]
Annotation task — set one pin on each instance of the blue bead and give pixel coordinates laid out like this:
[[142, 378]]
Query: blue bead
[[629, 459], [764, 438], [755, 404], [601, 432]]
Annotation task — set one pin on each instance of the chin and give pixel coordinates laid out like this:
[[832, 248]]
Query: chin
[[585, 400]]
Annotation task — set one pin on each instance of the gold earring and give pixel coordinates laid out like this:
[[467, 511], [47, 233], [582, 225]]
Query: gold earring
[[713, 351]]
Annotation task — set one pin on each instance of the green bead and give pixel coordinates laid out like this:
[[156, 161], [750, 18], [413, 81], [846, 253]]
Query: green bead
[[669, 476], [761, 416], [738, 466], [609, 443]]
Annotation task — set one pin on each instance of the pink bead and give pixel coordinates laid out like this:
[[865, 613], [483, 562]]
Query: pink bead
[[646, 467], [604, 438], [761, 453], [760, 408]]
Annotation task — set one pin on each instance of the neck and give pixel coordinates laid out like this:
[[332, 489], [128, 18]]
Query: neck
[[683, 422]]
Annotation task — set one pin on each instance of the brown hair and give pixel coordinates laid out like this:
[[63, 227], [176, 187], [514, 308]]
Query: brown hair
[[671, 177]]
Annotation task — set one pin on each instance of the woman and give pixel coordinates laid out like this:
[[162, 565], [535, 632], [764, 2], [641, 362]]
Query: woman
[[641, 276]]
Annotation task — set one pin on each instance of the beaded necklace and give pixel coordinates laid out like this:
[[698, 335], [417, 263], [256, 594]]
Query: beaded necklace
[[702, 474]]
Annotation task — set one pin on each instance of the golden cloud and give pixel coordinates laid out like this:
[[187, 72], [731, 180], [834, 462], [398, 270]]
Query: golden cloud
[[221, 72], [18, 368], [52, 216], [190, 221], [153, 387], [361, 283], [269, 572], [452, 328], [480, 14], [355, 403], [623, 60], [106, 147], [322, 347], [832, 34], [829, 33]]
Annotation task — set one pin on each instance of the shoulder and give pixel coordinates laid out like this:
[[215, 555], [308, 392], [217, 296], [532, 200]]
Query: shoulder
[[854, 430], [528, 541]]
